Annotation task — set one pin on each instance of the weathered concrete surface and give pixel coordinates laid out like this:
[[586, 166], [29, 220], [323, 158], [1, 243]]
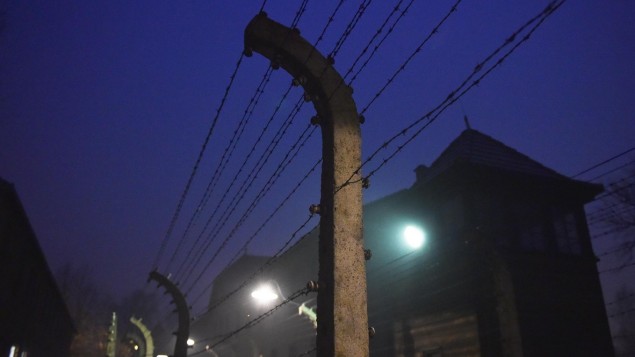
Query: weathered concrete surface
[[342, 306]]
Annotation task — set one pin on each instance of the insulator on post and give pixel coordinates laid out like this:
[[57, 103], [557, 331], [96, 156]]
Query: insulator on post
[[362, 119], [314, 209], [371, 332], [368, 254], [315, 120], [312, 286], [299, 81], [365, 182]]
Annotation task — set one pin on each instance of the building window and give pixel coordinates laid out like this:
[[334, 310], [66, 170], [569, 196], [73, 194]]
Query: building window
[[565, 228], [531, 232], [532, 238]]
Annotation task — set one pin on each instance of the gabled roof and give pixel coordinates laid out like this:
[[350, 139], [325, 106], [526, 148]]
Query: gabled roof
[[479, 149]]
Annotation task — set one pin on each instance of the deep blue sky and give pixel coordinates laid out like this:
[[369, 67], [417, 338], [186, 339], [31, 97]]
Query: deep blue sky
[[104, 106]]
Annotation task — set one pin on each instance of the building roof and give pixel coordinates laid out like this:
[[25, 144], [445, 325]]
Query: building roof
[[479, 149]]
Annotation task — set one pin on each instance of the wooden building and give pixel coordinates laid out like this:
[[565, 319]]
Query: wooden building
[[506, 269], [34, 320]]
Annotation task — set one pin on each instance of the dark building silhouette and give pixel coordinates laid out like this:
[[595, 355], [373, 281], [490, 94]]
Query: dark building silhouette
[[34, 320], [507, 268]]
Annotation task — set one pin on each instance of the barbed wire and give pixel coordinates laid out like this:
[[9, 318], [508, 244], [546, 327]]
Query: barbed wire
[[267, 187], [361, 10], [299, 13], [602, 211], [374, 37], [253, 322], [457, 93], [193, 262], [270, 217], [248, 112], [367, 47], [264, 266], [620, 299], [608, 232], [621, 185], [618, 168], [235, 179], [352, 24], [376, 47], [201, 251], [603, 162], [622, 313], [238, 198], [617, 268], [412, 55], [622, 247], [225, 158], [179, 206], [616, 211]]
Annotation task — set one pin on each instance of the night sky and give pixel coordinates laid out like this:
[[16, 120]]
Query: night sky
[[105, 105]]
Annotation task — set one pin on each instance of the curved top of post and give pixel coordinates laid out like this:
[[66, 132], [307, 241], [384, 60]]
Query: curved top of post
[[285, 48]]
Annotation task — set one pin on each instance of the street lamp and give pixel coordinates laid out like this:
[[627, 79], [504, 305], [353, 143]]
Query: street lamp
[[264, 294], [414, 236]]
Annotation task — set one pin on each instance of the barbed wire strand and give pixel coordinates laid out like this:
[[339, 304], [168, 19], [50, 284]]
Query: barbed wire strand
[[452, 97], [352, 24], [418, 49], [620, 299], [320, 38], [185, 264], [618, 168], [270, 217], [238, 198], [235, 200], [383, 39], [252, 322], [248, 113], [361, 10], [604, 162], [179, 206], [264, 224], [369, 43], [402, 67], [617, 268], [227, 154], [264, 266]]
